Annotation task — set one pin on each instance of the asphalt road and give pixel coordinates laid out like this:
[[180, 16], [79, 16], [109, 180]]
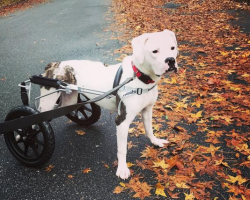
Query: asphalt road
[[55, 31]]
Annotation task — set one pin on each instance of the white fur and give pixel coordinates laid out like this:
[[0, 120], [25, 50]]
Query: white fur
[[96, 76]]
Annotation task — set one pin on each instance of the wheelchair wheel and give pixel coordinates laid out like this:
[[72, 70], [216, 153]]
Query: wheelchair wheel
[[34, 145], [87, 114]]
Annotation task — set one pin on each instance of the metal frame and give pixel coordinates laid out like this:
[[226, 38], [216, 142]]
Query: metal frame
[[67, 89]]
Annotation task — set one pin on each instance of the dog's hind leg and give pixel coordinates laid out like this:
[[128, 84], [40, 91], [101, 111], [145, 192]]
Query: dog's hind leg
[[48, 102], [69, 99], [147, 121]]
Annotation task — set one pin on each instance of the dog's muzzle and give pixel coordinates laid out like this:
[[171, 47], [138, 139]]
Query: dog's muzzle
[[171, 63]]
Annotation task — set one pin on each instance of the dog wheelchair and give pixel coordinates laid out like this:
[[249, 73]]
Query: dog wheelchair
[[28, 133]]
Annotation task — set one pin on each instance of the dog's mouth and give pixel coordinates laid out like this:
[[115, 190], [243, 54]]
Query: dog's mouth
[[171, 63], [172, 67]]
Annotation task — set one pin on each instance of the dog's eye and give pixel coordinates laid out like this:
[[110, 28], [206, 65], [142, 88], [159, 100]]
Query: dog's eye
[[155, 51], [172, 48]]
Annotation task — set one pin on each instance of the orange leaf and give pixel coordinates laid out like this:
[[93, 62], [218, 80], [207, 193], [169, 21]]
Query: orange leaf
[[86, 171], [70, 176], [49, 168], [118, 190]]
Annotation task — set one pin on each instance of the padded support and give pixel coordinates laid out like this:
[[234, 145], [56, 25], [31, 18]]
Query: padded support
[[49, 82]]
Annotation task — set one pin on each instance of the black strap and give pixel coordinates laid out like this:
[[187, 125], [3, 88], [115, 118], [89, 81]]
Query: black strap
[[117, 78], [24, 95], [26, 121]]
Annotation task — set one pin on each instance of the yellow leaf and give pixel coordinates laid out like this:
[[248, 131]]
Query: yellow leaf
[[182, 185], [160, 190], [129, 164], [189, 196], [212, 149], [80, 132], [238, 178], [225, 164], [230, 71], [137, 27], [246, 75], [122, 184], [243, 197], [173, 81], [197, 115], [181, 105], [161, 164], [224, 53], [197, 103]]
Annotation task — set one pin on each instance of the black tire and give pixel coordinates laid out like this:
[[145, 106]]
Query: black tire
[[87, 114], [34, 145]]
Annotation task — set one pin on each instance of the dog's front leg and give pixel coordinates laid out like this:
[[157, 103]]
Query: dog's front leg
[[122, 137], [123, 121], [147, 121]]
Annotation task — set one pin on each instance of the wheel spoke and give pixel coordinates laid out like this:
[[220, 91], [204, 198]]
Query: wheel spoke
[[35, 150], [19, 131], [84, 114], [25, 130], [86, 108], [26, 148], [34, 133], [36, 141], [17, 142], [74, 113]]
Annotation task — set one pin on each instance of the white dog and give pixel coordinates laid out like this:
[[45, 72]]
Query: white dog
[[153, 55]]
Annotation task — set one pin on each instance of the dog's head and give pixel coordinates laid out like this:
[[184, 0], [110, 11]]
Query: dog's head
[[156, 51]]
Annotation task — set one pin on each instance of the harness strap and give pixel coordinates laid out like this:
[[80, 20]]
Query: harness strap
[[117, 78], [24, 95], [126, 91]]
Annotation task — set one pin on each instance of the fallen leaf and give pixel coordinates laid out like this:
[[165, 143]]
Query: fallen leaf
[[70, 176], [86, 171], [80, 132], [49, 168], [160, 190]]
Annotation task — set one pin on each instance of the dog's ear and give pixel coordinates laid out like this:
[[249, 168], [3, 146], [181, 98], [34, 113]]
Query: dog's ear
[[173, 36], [138, 44]]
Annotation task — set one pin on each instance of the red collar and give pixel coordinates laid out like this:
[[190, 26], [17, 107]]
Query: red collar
[[141, 76]]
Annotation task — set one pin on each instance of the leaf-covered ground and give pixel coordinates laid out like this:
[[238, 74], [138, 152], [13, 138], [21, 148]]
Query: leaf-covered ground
[[10, 6], [204, 110]]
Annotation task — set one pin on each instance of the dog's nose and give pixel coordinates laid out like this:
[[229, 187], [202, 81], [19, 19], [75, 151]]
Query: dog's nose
[[170, 60]]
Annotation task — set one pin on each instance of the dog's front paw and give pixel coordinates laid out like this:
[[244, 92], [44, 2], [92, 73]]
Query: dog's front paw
[[159, 142], [123, 171]]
